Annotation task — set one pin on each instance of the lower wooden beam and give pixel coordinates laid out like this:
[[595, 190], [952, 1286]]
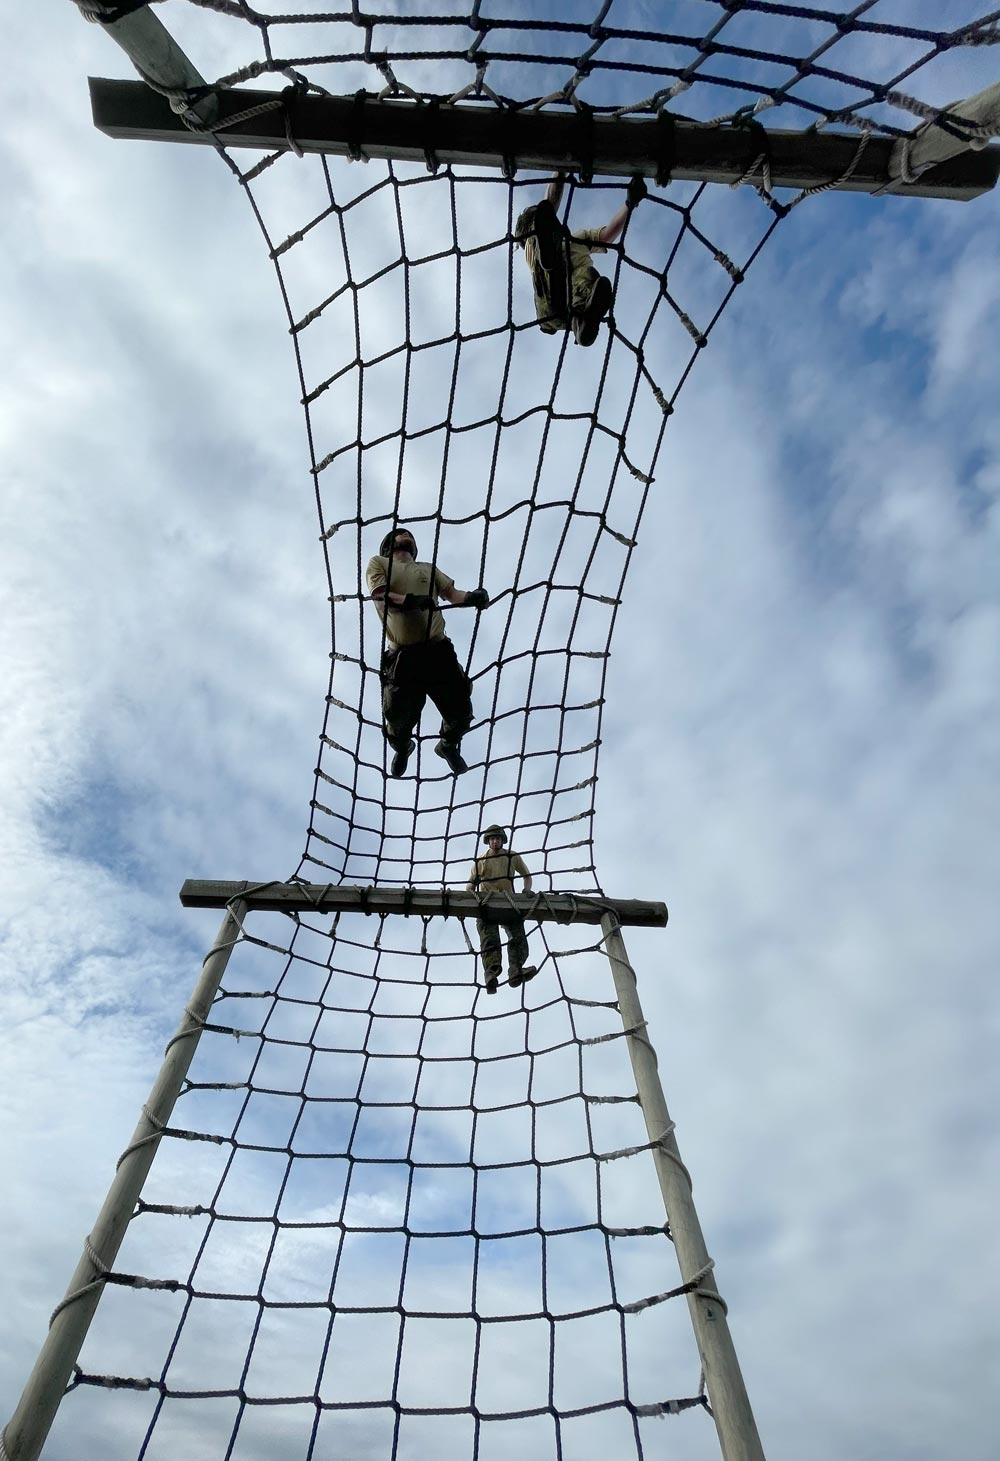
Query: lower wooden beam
[[424, 902]]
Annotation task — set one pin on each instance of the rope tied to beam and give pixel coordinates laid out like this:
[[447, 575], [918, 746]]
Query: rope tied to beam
[[101, 1270], [158, 1129]]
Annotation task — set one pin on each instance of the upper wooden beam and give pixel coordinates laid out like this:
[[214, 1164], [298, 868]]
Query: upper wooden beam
[[425, 902], [541, 141]]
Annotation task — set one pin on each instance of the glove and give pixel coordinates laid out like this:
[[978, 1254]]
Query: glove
[[477, 598], [416, 601], [637, 190]]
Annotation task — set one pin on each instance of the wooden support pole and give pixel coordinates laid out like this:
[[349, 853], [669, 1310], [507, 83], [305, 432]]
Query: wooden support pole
[[935, 143], [25, 1433], [423, 902], [486, 136], [723, 1379], [159, 60]]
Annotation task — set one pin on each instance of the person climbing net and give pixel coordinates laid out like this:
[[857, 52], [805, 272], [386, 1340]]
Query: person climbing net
[[419, 659], [570, 294]]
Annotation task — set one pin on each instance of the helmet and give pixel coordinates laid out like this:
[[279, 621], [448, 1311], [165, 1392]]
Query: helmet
[[525, 224], [385, 547], [494, 831]]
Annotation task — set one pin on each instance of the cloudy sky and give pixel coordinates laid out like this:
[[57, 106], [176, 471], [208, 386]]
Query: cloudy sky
[[799, 743]]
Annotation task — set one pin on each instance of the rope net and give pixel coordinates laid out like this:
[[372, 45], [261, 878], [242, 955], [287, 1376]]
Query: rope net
[[393, 1216], [389, 1221]]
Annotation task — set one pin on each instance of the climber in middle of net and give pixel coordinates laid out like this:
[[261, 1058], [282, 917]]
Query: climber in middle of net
[[419, 659], [570, 294]]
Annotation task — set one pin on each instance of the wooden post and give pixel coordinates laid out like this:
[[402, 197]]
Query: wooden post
[[160, 61], [25, 1433], [726, 1391], [934, 143]]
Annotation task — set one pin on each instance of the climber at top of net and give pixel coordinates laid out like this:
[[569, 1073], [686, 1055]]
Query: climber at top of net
[[435, 402]]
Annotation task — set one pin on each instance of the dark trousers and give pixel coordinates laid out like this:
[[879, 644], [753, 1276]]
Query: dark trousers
[[409, 676], [562, 290], [489, 942], [551, 274]]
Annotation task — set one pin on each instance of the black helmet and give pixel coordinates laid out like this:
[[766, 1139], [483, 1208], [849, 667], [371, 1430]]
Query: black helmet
[[385, 547], [494, 831]]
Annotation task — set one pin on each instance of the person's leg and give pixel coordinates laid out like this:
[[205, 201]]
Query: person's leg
[[402, 701], [550, 237], [591, 299], [489, 943], [551, 271], [517, 953], [450, 688]]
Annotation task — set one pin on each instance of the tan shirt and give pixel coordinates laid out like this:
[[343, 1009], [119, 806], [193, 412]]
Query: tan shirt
[[416, 625], [497, 873]]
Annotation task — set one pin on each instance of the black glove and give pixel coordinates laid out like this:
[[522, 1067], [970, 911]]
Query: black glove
[[477, 598], [416, 601], [637, 190]]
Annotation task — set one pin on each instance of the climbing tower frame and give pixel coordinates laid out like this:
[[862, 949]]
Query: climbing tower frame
[[940, 159]]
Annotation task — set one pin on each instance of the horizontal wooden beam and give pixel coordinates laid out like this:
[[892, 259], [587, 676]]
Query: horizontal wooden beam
[[424, 902], [542, 141]]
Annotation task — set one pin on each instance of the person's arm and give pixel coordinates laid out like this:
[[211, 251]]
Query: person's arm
[[614, 226], [473, 882], [519, 867], [444, 588], [555, 190], [476, 598], [379, 596], [637, 190], [376, 576]]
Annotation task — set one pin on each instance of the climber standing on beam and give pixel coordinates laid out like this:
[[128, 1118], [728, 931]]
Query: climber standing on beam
[[494, 872]]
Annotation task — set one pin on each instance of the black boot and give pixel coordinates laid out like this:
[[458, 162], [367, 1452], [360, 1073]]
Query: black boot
[[397, 766], [587, 325], [453, 755]]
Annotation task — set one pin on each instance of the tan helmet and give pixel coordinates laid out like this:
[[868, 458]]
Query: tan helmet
[[494, 831]]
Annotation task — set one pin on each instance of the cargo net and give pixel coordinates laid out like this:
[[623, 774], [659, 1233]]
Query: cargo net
[[393, 1216], [433, 399]]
